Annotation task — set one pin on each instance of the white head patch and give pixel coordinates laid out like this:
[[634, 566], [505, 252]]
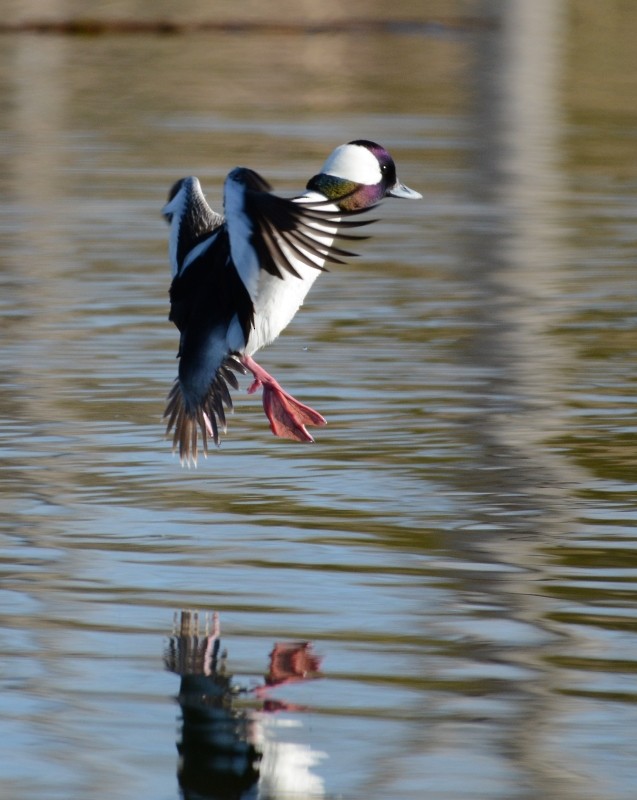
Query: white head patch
[[353, 162]]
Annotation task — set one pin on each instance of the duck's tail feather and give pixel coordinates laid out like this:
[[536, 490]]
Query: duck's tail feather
[[186, 420]]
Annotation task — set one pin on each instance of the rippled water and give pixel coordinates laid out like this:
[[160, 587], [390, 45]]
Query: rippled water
[[458, 547]]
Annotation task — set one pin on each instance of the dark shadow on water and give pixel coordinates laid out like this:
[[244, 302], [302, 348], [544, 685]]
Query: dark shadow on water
[[222, 748]]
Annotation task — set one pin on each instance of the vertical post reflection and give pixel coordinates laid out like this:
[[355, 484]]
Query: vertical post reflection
[[514, 255], [515, 258]]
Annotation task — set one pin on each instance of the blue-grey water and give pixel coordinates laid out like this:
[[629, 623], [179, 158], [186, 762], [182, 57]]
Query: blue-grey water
[[458, 548]]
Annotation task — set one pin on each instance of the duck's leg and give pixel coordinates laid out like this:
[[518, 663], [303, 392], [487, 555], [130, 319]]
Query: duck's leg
[[287, 416]]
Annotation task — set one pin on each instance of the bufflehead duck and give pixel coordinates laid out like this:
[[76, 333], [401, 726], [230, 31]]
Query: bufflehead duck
[[239, 279]]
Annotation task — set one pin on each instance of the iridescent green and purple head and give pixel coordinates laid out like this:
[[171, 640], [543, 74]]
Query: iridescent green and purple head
[[359, 174]]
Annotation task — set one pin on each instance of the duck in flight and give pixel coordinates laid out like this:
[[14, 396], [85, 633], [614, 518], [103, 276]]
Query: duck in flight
[[239, 279]]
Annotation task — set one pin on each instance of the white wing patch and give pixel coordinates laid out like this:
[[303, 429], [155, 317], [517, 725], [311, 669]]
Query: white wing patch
[[191, 219], [177, 209], [240, 230]]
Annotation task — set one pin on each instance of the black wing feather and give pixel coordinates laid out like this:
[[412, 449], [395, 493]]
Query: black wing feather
[[285, 228]]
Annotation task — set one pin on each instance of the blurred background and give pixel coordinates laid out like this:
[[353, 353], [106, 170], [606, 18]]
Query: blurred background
[[437, 599]]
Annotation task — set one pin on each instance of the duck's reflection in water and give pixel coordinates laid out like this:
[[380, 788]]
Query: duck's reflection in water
[[225, 752]]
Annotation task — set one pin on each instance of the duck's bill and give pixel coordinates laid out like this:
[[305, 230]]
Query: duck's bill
[[400, 190]]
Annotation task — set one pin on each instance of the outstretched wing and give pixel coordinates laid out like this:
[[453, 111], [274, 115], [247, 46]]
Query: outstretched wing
[[191, 221], [278, 234]]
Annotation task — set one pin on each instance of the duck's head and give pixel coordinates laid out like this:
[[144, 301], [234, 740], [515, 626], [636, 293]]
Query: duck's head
[[359, 174]]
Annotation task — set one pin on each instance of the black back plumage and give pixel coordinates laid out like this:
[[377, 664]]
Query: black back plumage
[[209, 292], [205, 296]]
